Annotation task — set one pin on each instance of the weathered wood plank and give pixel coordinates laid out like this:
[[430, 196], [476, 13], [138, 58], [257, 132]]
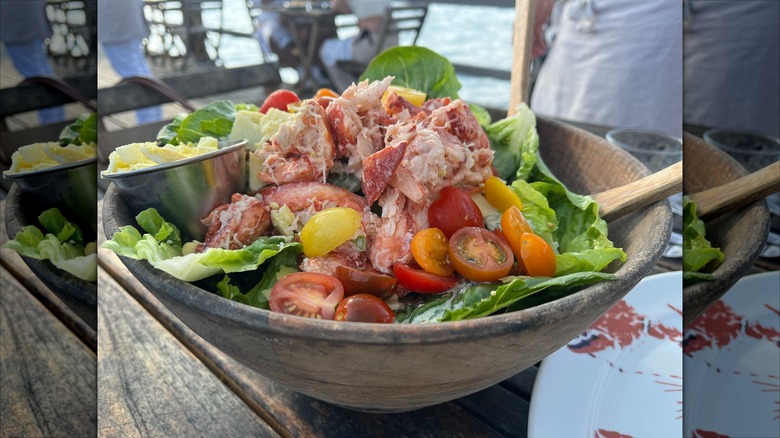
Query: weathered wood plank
[[130, 96], [23, 98], [152, 386], [505, 411], [47, 375]]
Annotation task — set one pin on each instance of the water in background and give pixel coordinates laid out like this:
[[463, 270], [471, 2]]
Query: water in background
[[471, 35]]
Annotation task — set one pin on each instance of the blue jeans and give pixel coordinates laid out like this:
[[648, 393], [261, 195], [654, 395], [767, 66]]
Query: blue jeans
[[128, 59], [30, 59]]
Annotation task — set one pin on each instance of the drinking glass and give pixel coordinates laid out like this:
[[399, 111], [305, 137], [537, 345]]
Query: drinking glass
[[656, 150]]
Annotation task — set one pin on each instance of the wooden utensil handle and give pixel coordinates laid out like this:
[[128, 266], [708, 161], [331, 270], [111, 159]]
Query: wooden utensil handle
[[623, 200], [720, 200], [521, 61]]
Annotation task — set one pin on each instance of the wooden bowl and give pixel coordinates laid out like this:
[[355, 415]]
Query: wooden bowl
[[401, 367], [740, 235]]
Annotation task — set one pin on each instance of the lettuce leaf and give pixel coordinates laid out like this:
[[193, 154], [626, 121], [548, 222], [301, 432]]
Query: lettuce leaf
[[699, 256], [213, 120], [282, 264], [515, 144], [161, 247], [62, 245], [478, 300], [82, 130], [415, 67]]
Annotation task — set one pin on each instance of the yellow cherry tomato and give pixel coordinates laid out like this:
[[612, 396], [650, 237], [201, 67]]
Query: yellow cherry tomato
[[499, 195], [431, 251], [328, 229], [414, 97]]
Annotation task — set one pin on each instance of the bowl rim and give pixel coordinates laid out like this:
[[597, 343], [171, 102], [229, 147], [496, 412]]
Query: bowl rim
[[707, 136], [53, 169], [223, 147], [610, 136]]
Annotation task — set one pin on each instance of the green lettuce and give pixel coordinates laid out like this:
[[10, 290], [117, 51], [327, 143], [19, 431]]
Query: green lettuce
[[62, 245], [478, 300], [82, 130], [213, 120], [515, 142], [699, 256], [161, 246], [258, 295], [415, 67]]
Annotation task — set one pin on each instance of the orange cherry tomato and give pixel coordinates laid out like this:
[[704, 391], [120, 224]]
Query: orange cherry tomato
[[513, 225], [537, 255], [480, 255], [325, 96], [431, 251]]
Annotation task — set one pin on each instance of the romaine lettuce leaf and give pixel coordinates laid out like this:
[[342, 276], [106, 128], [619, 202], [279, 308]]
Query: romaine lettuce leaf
[[415, 67], [62, 245], [82, 130], [698, 252], [515, 144], [163, 250], [474, 301]]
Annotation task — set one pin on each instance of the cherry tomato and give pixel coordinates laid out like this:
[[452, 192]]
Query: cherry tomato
[[364, 308], [307, 294], [417, 280], [537, 255], [480, 255], [430, 249], [454, 210], [415, 97], [499, 195], [325, 96], [513, 225], [328, 229], [279, 99], [365, 282]]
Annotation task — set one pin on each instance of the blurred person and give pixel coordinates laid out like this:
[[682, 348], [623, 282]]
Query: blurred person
[[24, 27], [616, 63], [122, 27], [362, 47], [274, 35], [732, 65]]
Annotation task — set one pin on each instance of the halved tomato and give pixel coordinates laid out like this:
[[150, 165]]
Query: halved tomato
[[431, 251], [417, 280], [365, 282], [328, 229], [480, 255], [307, 294], [279, 99], [454, 210], [364, 308], [537, 255]]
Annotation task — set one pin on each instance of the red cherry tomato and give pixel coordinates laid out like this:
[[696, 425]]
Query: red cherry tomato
[[364, 308], [279, 99], [364, 282], [417, 280], [307, 294], [454, 210], [480, 255]]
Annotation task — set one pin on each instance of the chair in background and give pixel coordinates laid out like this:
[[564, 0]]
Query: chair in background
[[404, 19]]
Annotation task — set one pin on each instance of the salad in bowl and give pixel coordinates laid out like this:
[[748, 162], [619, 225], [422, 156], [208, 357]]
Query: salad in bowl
[[394, 201]]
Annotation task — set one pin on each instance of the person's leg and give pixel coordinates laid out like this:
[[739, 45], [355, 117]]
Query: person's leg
[[30, 59], [332, 51], [128, 59]]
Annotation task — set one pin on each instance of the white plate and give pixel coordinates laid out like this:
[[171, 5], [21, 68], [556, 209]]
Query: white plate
[[623, 376], [732, 362]]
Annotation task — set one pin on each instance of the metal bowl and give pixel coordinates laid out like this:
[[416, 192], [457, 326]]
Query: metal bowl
[[185, 191], [72, 188], [740, 235], [401, 367]]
